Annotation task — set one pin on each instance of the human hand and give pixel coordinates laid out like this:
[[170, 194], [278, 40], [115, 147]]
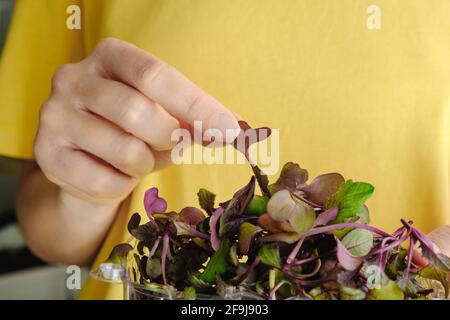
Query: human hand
[[109, 119]]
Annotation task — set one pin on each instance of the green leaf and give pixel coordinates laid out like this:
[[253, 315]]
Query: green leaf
[[350, 199], [217, 265], [358, 242], [303, 218], [347, 293], [119, 253], [389, 291], [287, 237], [341, 233], [432, 273], [206, 200], [269, 254], [257, 206], [235, 208], [189, 293], [247, 232], [153, 268], [195, 280], [283, 207], [409, 287], [233, 256]]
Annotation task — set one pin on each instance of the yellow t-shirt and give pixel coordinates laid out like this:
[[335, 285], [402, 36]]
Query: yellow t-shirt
[[347, 96]]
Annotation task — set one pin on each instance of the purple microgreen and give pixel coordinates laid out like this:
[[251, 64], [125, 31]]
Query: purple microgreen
[[191, 216], [153, 203], [235, 208], [307, 201], [283, 207], [248, 136], [315, 238], [347, 260], [292, 177], [323, 187], [326, 217]]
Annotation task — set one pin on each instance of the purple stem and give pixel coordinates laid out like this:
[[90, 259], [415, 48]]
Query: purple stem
[[195, 233], [295, 251], [249, 270], [153, 221], [393, 244], [312, 204], [154, 248], [397, 233], [300, 262], [341, 226], [165, 249], [383, 255], [275, 289], [409, 261]]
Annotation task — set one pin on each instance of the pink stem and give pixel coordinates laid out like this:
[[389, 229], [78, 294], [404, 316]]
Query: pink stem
[[295, 251], [165, 249], [393, 244], [312, 204], [341, 226], [275, 289], [154, 248]]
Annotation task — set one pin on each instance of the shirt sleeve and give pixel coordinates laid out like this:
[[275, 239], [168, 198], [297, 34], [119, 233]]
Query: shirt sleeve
[[38, 42]]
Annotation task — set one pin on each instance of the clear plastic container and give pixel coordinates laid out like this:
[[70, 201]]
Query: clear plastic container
[[110, 272]]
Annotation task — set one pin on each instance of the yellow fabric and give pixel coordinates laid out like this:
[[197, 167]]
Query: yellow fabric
[[371, 104]]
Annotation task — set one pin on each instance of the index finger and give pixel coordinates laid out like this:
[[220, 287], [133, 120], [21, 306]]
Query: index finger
[[165, 85]]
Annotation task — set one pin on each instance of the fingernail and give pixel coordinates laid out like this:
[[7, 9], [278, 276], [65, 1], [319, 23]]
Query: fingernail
[[227, 124]]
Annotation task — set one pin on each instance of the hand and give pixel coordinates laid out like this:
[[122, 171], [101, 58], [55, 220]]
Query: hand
[[441, 238], [109, 119]]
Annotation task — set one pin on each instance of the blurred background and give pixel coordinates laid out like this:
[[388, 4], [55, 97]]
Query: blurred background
[[22, 275]]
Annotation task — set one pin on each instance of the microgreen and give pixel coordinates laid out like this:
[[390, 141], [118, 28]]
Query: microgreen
[[294, 240]]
